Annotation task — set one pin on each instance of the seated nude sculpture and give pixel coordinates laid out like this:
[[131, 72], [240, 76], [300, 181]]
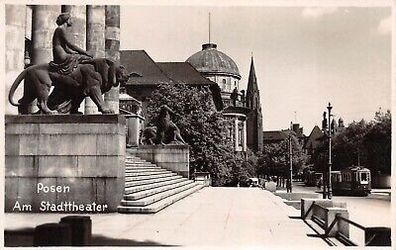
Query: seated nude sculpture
[[73, 73]]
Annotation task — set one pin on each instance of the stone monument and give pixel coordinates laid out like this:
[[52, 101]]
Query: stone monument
[[65, 163]]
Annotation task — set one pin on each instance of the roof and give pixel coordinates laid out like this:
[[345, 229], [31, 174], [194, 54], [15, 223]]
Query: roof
[[183, 72], [140, 62], [154, 73], [274, 136], [314, 137], [212, 61], [237, 109]]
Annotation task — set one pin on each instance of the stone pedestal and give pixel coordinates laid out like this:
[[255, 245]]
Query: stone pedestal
[[203, 178], [171, 157], [74, 158], [135, 123]]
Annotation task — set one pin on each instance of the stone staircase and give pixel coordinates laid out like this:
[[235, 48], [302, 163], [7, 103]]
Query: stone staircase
[[149, 188]]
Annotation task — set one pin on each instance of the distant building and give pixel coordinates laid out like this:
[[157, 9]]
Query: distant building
[[313, 140], [243, 110], [255, 117], [217, 67], [277, 136], [154, 74]]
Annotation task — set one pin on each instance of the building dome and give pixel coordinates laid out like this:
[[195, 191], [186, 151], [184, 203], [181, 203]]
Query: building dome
[[210, 61]]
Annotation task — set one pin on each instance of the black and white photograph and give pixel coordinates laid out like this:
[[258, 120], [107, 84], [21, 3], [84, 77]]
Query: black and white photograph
[[197, 124]]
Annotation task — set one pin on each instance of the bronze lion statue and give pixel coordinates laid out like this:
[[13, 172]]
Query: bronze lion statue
[[165, 131], [91, 78]]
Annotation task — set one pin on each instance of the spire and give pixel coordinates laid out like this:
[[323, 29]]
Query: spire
[[252, 82]]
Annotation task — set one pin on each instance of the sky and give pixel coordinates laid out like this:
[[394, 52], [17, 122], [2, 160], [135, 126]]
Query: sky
[[304, 57]]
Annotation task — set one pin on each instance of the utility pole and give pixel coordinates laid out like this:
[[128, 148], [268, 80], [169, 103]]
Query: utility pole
[[328, 129], [330, 132]]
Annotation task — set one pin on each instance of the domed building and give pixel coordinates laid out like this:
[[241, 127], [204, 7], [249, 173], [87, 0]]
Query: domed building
[[217, 67], [221, 69]]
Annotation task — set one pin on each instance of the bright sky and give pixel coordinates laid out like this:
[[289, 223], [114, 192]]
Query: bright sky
[[304, 57]]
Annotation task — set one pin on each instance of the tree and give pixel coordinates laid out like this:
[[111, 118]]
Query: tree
[[202, 128], [348, 148], [274, 159], [377, 143], [364, 143]]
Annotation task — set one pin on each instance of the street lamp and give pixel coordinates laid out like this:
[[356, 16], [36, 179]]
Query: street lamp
[[329, 131], [291, 163], [290, 160]]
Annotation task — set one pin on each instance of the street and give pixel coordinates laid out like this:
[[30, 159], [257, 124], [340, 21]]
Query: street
[[371, 211]]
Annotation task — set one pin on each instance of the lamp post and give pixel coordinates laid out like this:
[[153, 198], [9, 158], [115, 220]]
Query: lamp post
[[291, 163], [329, 131]]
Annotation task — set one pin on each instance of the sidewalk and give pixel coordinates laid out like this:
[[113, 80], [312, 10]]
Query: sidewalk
[[211, 217]]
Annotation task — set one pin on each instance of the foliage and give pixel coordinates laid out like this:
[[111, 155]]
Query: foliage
[[274, 159], [377, 143], [348, 146], [202, 127], [362, 143]]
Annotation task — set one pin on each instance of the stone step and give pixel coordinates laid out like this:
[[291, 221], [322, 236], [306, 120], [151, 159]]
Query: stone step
[[140, 170], [148, 177], [137, 162], [152, 191], [128, 158], [144, 182], [131, 190], [132, 156], [133, 174], [141, 166], [157, 206], [157, 197]]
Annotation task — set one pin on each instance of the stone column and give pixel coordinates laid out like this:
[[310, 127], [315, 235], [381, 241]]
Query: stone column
[[44, 17], [43, 26], [14, 50], [236, 133], [244, 136], [95, 42], [78, 30], [113, 50]]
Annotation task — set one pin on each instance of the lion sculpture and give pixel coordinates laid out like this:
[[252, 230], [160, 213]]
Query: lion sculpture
[[91, 78], [165, 131]]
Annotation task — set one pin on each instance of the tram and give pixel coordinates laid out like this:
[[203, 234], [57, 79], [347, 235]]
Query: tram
[[312, 178], [353, 180]]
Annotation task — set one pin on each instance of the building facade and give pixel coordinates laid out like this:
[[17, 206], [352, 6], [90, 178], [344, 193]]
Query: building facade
[[245, 130]]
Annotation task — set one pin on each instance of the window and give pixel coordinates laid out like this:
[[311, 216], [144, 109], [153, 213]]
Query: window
[[224, 84], [240, 134]]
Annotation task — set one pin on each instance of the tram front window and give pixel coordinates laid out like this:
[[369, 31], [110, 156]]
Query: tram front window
[[364, 177]]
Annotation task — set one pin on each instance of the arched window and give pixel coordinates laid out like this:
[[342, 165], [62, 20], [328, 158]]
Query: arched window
[[224, 84]]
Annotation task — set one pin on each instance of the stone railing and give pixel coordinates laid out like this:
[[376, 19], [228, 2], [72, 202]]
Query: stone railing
[[171, 157], [333, 218]]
